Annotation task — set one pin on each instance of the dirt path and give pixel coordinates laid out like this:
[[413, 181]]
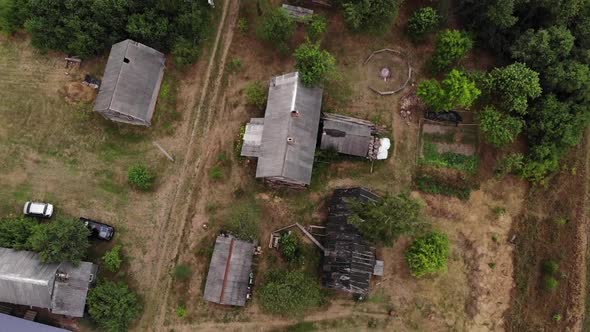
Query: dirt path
[[195, 154]]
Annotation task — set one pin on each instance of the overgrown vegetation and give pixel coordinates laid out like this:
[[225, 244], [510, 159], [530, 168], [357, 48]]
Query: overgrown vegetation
[[140, 177], [317, 27], [61, 240], [461, 162], [385, 220], [256, 95], [428, 254], [182, 272], [289, 293], [113, 306], [432, 185], [244, 220], [90, 27], [290, 247]]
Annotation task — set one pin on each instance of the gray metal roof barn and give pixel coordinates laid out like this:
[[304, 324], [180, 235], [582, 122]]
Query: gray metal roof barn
[[229, 271], [285, 140], [60, 287], [14, 324], [131, 83]]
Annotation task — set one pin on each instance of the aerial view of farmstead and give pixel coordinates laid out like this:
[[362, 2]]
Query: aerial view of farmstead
[[294, 165]]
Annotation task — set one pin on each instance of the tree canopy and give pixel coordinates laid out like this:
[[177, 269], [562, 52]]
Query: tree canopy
[[113, 306], [513, 86], [451, 46], [277, 27], [423, 21], [385, 220], [315, 65], [428, 254], [60, 240], [89, 27], [543, 47], [289, 293], [499, 128], [15, 232], [370, 14], [456, 90]]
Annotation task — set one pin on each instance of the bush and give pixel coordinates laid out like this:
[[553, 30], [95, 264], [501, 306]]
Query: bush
[[315, 66], [15, 232], [372, 15], [112, 259], [235, 65], [428, 254], [498, 128], [290, 247], [423, 21], [550, 283], [289, 293], [184, 52], [181, 311], [456, 90], [550, 267], [140, 177], [513, 163], [60, 240], [451, 46], [385, 220], [277, 27], [113, 306], [317, 27], [216, 173], [182, 272], [256, 95]]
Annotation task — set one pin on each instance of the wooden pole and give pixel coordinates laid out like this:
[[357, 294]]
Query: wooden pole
[[163, 151]]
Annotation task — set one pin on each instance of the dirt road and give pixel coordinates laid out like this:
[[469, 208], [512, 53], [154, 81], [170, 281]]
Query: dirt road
[[185, 189]]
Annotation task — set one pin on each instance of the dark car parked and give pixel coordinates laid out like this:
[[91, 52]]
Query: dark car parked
[[98, 229], [450, 116]]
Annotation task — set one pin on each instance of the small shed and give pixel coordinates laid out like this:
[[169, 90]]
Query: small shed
[[351, 136], [60, 287], [131, 83], [229, 272], [285, 140], [349, 261], [14, 324], [298, 13]]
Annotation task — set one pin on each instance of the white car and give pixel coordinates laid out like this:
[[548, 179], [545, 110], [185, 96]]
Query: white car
[[38, 209]]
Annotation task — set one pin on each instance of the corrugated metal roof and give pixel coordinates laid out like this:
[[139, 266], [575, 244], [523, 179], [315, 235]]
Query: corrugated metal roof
[[347, 135], [14, 324], [253, 138], [229, 271], [131, 82], [25, 280], [291, 124]]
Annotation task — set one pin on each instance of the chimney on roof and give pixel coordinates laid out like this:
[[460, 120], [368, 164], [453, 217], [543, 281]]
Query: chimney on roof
[[294, 113], [290, 140]]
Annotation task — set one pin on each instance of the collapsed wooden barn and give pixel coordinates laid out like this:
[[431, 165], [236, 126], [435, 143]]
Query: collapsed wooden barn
[[60, 287], [131, 83], [284, 141]]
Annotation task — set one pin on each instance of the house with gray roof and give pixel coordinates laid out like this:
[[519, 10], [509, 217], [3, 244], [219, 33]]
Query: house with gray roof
[[228, 279], [284, 141], [60, 287], [131, 83]]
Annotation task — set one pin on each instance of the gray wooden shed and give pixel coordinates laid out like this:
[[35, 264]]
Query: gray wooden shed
[[229, 271], [60, 287], [131, 83], [347, 135], [285, 140]]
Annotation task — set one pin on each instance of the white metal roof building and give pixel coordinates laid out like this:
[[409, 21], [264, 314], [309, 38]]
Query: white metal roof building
[[285, 140], [14, 324], [24, 280], [131, 83]]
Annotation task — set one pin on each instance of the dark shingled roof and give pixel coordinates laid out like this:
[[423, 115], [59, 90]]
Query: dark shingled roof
[[349, 261], [25, 280], [229, 271], [131, 83], [289, 136], [15, 324]]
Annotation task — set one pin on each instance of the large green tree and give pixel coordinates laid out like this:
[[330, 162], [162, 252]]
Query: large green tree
[[423, 21], [113, 306], [277, 27], [451, 46], [289, 293], [512, 86], [60, 240], [15, 232], [499, 128], [316, 66], [370, 14], [456, 90], [543, 47], [385, 220]]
